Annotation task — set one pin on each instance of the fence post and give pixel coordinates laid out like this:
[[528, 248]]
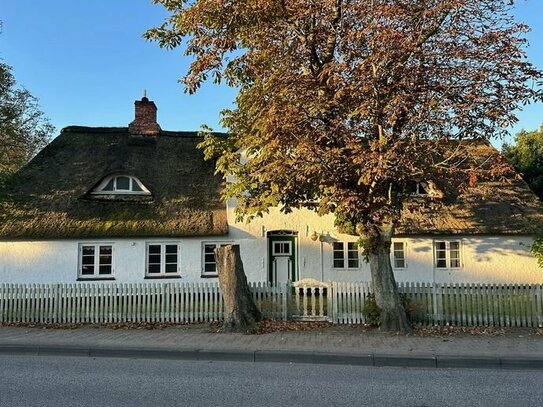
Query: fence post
[[436, 291], [285, 300], [538, 306], [330, 302]]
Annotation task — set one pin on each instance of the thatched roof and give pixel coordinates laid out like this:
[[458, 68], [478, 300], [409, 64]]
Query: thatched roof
[[504, 206], [49, 198]]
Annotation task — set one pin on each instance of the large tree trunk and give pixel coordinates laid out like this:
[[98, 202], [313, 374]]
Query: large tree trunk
[[387, 297], [240, 311]]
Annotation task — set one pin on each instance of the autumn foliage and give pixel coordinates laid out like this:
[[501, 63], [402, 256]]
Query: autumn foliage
[[343, 103]]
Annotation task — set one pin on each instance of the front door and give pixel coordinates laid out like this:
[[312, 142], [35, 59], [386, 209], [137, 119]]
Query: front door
[[282, 257]]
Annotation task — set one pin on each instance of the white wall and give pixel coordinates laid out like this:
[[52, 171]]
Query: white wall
[[484, 259], [58, 261], [492, 259]]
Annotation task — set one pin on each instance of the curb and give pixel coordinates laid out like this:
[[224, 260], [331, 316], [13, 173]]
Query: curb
[[276, 356]]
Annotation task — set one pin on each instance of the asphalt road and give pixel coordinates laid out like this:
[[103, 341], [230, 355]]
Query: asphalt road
[[71, 381]]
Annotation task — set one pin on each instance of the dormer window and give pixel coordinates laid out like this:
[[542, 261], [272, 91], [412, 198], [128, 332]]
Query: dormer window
[[121, 184], [418, 189], [423, 189]]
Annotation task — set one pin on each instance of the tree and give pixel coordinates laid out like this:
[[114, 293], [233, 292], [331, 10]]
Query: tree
[[24, 129], [526, 155], [240, 309], [346, 102]]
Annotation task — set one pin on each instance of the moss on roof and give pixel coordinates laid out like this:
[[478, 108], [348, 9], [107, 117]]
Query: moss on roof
[[504, 206], [49, 197]]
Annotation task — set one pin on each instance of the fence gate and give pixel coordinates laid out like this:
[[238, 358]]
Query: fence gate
[[311, 301]]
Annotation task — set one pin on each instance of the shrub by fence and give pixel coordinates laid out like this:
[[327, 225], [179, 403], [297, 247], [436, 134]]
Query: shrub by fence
[[338, 302]]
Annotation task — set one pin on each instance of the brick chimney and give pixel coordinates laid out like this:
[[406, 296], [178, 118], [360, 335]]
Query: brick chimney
[[145, 122]]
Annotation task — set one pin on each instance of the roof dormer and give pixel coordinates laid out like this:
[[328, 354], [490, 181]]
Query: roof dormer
[[120, 184]]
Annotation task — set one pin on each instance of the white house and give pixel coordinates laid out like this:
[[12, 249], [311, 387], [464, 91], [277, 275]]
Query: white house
[[138, 204]]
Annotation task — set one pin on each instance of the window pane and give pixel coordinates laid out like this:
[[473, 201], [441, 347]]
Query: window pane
[[455, 263], [171, 268], [209, 258], [399, 263], [171, 248], [109, 186], [339, 263], [339, 256], [154, 249], [454, 254], [105, 255], [208, 248], [123, 183], [441, 255], [154, 268], [171, 258], [87, 260], [399, 255], [353, 263], [337, 246], [88, 250], [210, 268], [87, 270], [154, 259], [105, 270], [135, 186], [352, 255]]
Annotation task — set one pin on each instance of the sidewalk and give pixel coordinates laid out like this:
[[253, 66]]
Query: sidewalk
[[338, 345]]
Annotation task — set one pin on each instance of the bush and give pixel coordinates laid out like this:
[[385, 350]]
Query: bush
[[371, 312]]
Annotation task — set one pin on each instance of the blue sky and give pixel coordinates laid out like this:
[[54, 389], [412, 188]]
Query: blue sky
[[87, 62]]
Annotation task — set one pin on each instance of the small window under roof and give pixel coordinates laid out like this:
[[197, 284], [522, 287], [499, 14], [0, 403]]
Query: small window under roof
[[120, 184]]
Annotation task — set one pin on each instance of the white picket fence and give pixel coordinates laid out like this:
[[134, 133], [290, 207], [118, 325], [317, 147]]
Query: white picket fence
[[500, 305], [118, 303], [338, 302]]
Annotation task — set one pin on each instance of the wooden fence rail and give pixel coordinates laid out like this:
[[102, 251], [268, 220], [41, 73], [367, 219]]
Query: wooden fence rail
[[339, 302]]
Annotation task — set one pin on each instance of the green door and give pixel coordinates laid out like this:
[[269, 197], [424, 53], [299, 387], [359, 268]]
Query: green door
[[282, 257]]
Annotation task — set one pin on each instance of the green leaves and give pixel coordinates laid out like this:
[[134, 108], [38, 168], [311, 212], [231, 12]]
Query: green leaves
[[24, 129]]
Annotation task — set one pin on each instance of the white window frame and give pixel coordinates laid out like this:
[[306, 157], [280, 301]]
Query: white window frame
[[393, 254], [205, 273], [99, 190], [345, 256], [96, 275], [448, 254], [282, 254], [163, 273]]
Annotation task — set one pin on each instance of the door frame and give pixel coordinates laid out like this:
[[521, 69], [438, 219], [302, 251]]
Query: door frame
[[284, 236]]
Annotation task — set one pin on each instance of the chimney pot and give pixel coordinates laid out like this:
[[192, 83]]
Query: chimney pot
[[145, 122]]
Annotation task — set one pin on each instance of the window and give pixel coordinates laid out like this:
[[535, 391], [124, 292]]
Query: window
[[447, 254], [417, 188], [121, 184], [209, 267], [345, 255], [398, 254], [162, 260], [281, 249], [96, 261]]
